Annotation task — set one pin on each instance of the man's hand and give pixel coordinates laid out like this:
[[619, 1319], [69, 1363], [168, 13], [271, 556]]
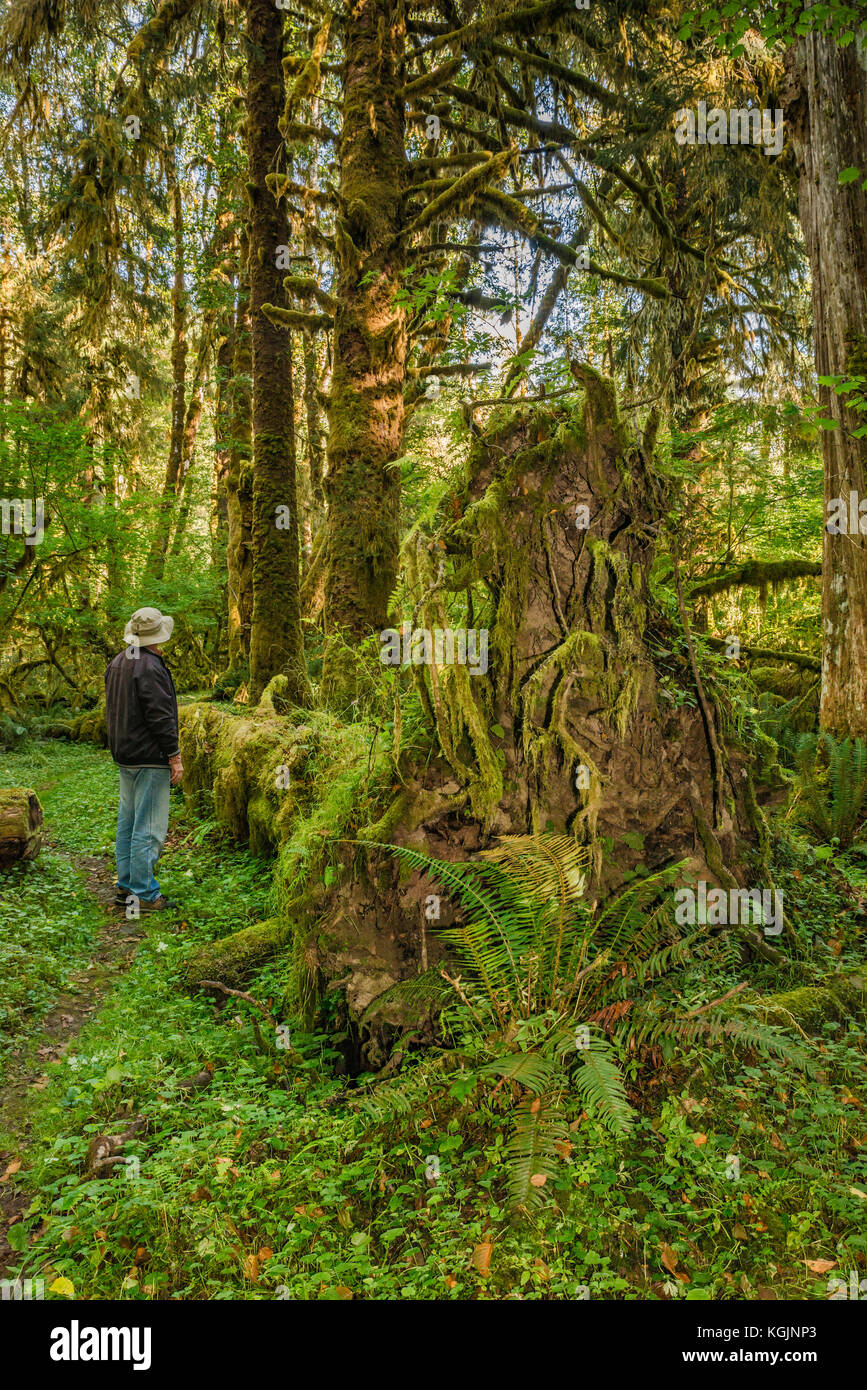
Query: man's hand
[[177, 770]]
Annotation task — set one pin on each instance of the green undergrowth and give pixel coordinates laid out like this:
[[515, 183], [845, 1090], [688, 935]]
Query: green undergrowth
[[281, 1180], [48, 919]]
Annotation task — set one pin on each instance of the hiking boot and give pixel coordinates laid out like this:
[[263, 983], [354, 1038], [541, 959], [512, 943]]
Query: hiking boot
[[120, 897], [159, 904]]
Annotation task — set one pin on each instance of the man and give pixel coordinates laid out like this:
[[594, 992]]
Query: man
[[141, 714]]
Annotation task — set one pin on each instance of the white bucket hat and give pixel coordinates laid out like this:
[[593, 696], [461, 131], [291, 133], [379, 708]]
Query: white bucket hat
[[148, 627]]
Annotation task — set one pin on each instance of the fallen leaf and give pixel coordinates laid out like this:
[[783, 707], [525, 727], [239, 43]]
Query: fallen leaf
[[266, 1253], [669, 1258], [699, 1139], [343, 1291], [539, 1179], [821, 1266], [482, 1258], [10, 1169], [739, 1232], [251, 1268], [64, 1286]]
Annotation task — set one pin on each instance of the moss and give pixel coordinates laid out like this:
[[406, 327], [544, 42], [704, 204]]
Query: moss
[[20, 824], [809, 1007], [234, 958]]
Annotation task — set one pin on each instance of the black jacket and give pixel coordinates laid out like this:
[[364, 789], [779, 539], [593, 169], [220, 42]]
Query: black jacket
[[141, 710]]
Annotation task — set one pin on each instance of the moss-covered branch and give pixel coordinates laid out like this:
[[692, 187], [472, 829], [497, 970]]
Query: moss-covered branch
[[807, 663], [305, 287], [756, 574], [294, 318]]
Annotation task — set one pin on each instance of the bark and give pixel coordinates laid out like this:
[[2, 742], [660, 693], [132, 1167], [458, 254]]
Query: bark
[[366, 411], [276, 644], [314, 438], [192, 420], [20, 825], [157, 557], [239, 495], [222, 455], [827, 114]]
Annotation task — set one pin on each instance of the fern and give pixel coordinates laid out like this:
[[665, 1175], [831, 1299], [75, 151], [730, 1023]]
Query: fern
[[546, 991], [531, 1151], [832, 787]]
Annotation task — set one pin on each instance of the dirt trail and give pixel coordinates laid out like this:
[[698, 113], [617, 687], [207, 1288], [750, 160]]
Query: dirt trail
[[111, 956]]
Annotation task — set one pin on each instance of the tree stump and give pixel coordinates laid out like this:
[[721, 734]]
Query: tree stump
[[20, 825]]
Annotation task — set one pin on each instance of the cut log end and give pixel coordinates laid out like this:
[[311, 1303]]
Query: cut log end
[[20, 825]]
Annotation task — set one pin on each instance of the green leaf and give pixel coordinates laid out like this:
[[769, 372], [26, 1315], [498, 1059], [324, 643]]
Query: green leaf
[[849, 175], [18, 1238]]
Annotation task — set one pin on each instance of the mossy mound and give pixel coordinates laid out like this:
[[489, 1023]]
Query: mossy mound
[[89, 727], [810, 1007], [256, 765], [234, 958], [20, 825]]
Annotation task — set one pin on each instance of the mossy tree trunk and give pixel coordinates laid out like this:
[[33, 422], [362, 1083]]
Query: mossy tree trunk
[[159, 545], [366, 411], [828, 116], [239, 481], [276, 644]]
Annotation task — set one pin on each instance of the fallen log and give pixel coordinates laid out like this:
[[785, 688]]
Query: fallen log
[[20, 825]]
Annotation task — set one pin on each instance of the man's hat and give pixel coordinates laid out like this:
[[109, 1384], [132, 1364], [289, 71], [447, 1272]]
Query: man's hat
[[148, 628]]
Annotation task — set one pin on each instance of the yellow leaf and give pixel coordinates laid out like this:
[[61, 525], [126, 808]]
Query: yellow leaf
[[64, 1286]]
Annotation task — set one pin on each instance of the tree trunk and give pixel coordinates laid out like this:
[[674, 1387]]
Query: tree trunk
[[239, 495], [219, 526], [276, 644], [827, 111], [192, 420], [157, 558], [366, 412]]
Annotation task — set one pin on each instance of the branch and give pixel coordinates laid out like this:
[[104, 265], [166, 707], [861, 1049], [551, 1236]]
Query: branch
[[305, 287], [756, 574], [806, 663], [293, 318]]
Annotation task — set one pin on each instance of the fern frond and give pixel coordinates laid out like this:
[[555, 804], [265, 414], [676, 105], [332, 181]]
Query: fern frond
[[599, 1082], [531, 1151]]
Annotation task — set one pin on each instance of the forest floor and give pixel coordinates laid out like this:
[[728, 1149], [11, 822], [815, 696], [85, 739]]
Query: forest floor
[[277, 1179]]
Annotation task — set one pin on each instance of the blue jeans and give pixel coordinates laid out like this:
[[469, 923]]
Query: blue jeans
[[142, 826]]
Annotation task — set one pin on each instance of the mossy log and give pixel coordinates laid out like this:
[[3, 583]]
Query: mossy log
[[89, 727], [20, 825], [809, 1007], [255, 764], [233, 959]]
